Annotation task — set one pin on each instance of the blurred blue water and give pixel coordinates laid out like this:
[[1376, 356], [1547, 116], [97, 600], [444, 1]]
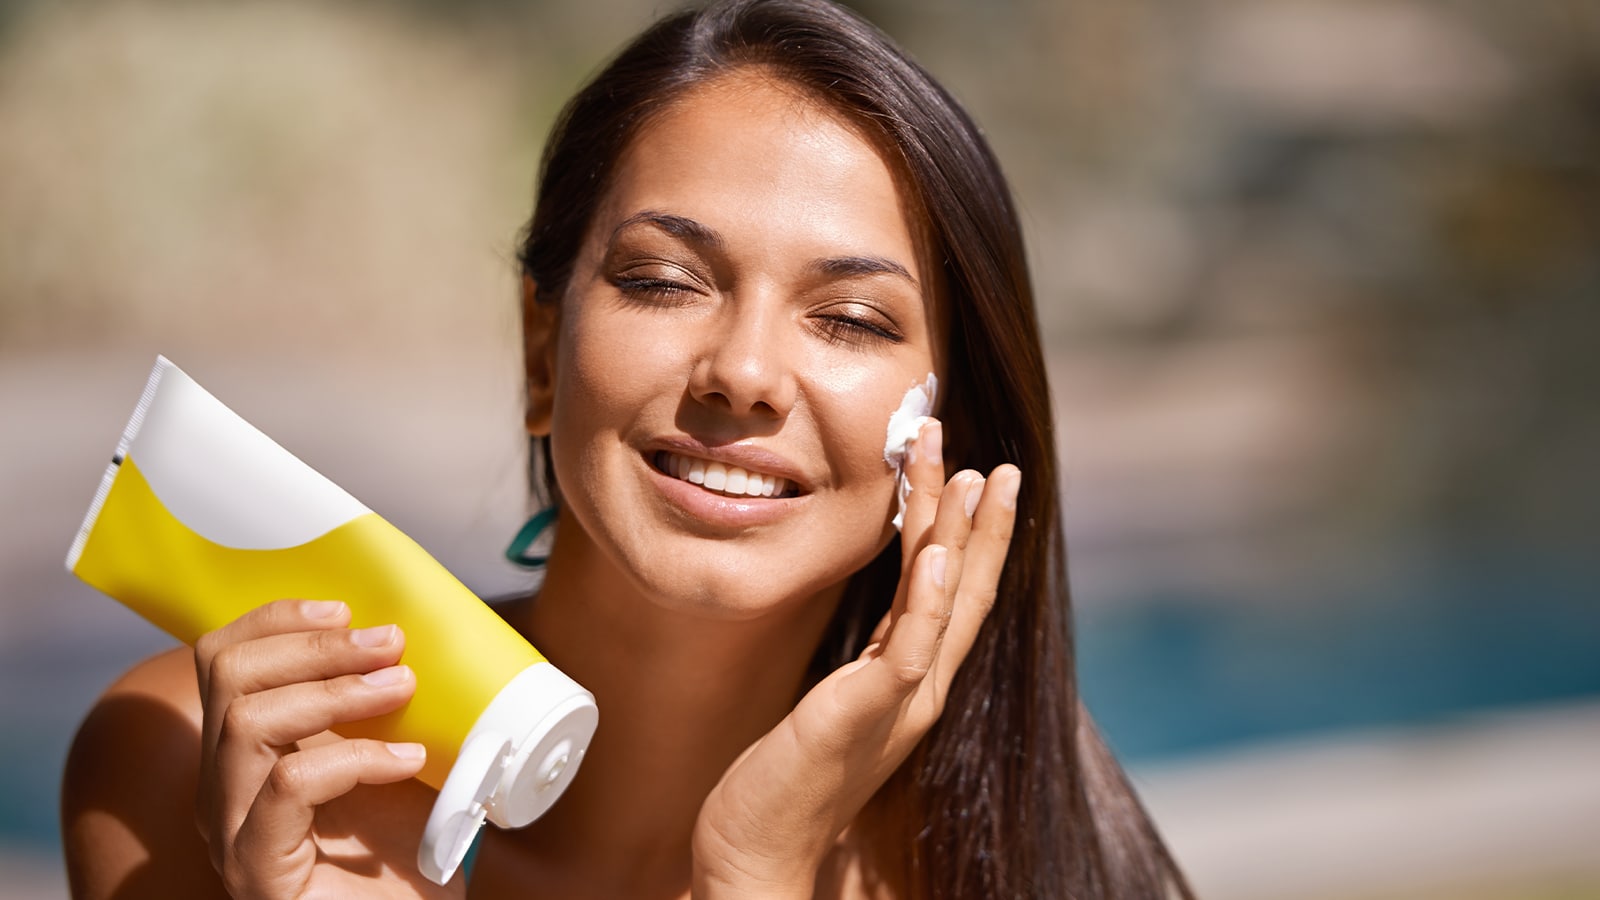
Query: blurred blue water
[[1174, 675], [48, 686]]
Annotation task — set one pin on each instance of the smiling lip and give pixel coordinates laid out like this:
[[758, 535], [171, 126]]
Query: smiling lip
[[722, 478], [713, 467], [778, 489]]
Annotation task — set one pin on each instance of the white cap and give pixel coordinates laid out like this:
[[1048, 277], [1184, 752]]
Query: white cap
[[517, 759]]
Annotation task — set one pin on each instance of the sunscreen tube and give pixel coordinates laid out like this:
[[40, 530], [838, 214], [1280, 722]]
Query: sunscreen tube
[[201, 517]]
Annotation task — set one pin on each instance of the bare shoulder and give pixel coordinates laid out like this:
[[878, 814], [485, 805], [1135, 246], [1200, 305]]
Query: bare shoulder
[[127, 796]]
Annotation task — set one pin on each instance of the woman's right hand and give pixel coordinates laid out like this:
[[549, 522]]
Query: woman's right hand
[[275, 802]]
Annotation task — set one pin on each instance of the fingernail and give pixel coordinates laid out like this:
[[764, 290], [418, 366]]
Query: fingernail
[[408, 751], [320, 609], [936, 559], [1008, 489], [933, 441], [376, 636], [387, 676], [974, 492]]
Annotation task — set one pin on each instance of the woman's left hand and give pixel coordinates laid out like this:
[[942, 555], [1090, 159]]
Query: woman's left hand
[[780, 808]]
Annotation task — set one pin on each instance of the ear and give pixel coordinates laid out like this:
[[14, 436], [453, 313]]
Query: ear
[[540, 325]]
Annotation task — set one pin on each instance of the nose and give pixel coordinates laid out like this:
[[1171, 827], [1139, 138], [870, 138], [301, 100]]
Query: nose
[[744, 366]]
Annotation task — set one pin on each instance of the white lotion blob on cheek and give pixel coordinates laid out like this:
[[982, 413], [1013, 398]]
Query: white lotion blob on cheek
[[903, 428]]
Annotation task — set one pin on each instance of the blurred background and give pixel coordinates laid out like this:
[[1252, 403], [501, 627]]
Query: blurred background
[[1320, 282]]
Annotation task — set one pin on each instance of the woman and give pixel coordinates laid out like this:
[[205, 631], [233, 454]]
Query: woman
[[756, 230]]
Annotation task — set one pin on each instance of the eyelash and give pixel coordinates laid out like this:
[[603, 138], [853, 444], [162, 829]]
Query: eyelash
[[840, 329], [659, 291], [836, 329]]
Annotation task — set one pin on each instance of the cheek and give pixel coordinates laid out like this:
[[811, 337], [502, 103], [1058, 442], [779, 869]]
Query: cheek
[[856, 403], [604, 377], [605, 368]]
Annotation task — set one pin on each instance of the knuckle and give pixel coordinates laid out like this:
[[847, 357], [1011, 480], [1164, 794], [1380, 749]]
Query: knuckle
[[354, 755], [983, 600], [1001, 530], [205, 650], [290, 777], [240, 721], [938, 617], [910, 672], [337, 690], [336, 647], [226, 663], [959, 539]]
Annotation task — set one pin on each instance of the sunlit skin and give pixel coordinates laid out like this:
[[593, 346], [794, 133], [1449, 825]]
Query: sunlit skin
[[753, 290], [751, 282]]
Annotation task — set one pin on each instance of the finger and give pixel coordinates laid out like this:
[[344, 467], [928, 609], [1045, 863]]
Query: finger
[[908, 651], [284, 715], [950, 527], [924, 471], [274, 660], [923, 467], [982, 564], [279, 617], [281, 659], [258, 728], [274, 833]]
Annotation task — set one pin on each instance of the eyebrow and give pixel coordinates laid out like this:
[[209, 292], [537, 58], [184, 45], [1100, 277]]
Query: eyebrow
[[677, 226], [699, 233], [861, 266]]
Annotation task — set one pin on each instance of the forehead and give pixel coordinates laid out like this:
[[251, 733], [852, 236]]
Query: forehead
[[751, 154]]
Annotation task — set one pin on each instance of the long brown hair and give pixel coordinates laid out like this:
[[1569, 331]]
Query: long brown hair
[[1013, 793]]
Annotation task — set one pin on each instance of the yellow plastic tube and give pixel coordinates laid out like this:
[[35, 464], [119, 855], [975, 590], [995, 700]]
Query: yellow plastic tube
[[200, 517]]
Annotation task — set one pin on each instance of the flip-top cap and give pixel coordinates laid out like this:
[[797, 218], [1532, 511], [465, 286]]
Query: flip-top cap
[[515, 762]]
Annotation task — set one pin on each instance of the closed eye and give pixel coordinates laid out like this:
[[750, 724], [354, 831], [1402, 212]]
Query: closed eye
[[655, 290], [840, 328]]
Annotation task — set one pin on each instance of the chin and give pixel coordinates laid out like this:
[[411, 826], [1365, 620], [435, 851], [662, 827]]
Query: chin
[[731, 590], [740, 582]]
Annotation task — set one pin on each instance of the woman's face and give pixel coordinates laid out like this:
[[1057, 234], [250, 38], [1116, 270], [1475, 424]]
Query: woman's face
[[749, 307]]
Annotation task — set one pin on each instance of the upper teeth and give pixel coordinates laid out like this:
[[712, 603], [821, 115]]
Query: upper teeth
[[722, 477]]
